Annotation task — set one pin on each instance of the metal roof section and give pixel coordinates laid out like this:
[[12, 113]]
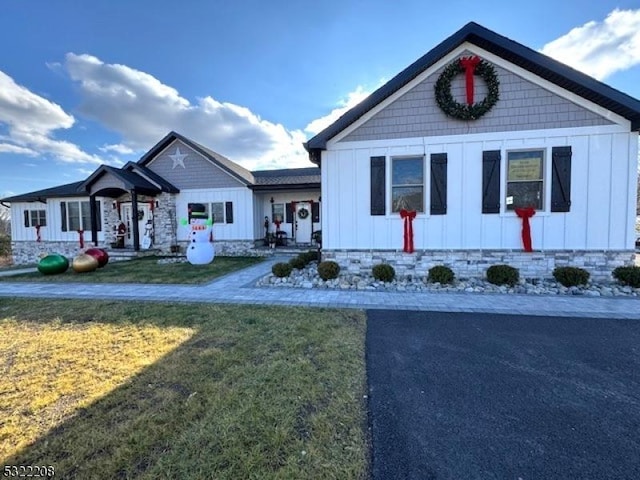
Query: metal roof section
[[537, 63], [67, 190], [287, 176]]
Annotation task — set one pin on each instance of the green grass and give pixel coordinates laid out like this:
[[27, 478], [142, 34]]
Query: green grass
[[145, 270], [146, 391]]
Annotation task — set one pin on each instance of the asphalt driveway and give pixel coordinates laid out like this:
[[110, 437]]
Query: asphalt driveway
[[478, 396]]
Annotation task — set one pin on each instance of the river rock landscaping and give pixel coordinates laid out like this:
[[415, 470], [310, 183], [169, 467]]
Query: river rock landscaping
[[308, 278]]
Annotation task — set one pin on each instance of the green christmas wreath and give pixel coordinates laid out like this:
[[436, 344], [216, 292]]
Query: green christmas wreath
[[459, 110], [303, 213]]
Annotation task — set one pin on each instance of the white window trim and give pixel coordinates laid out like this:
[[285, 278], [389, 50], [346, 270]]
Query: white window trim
[[546, 180], [30, 213], [425, 172], [82, 226]]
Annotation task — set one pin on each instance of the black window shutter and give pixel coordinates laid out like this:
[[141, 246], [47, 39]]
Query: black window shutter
[[561, 179], [289, 213], [378, 186], [63, 215], [491, 181], [26, 218], [315, 212], [438, 183], [228, 206]]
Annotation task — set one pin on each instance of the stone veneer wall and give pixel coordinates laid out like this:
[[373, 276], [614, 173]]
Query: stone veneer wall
[[31, 252], [233, 248], [474, 263]]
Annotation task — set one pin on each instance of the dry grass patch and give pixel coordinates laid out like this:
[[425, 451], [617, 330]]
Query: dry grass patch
[[142, 390]]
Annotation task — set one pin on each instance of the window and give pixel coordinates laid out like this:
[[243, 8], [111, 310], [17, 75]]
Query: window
[[77, 216], [277, 212], [407, 184], [219, 212], [525, 180], [35, 217]]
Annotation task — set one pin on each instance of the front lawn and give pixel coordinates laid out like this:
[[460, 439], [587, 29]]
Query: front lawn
[[141, 390], [145, 270]]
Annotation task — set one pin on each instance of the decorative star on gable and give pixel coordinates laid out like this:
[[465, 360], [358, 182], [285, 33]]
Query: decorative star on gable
[[178, 158]]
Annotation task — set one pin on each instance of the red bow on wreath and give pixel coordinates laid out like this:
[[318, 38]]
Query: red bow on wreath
[[408, 216], [38, 238], [525, 214], [81, 234]]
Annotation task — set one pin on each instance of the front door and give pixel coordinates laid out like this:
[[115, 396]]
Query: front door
[[303, 222], [143, 216]]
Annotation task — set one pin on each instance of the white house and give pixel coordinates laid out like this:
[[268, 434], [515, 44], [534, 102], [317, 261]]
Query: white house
[[477, 127], [152, 197]]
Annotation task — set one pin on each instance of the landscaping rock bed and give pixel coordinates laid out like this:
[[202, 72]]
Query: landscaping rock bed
[[308, 278]]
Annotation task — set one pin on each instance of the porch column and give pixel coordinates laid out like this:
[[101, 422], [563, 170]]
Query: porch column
[[134, 220], [93, 212]]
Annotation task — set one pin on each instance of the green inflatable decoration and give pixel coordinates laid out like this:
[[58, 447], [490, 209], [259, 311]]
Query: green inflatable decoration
[[53, 264]]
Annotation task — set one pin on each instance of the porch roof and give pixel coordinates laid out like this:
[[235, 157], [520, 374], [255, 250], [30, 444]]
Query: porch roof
[[124, 179]]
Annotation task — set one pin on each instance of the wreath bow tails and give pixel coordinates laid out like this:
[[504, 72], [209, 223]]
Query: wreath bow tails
[[525, 214], [471, 67], [408, 216]]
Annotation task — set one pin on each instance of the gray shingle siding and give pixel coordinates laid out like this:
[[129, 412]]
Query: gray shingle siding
[[522, 106], [107, 181], [198, 172]]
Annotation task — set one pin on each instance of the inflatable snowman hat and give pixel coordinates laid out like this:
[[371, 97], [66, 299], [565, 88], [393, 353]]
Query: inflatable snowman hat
[[200, 250]]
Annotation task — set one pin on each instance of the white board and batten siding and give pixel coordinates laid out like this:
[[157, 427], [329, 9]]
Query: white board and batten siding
[[202, 181], [243, 211], [532, 113], [52, 232], [603, 172]]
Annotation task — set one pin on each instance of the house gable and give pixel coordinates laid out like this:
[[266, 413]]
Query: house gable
[[186, 168], [552, 72], [523, 105]]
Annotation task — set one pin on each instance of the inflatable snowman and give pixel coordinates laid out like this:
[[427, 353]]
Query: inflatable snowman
[[200, 250]]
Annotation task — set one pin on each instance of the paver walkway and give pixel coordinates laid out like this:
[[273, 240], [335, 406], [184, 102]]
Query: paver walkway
[[238, 288]]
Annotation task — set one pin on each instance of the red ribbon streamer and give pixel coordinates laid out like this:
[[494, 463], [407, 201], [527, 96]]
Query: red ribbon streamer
[[38, 238], [408, 216], [525, 214], [469, 64], [81, 234]]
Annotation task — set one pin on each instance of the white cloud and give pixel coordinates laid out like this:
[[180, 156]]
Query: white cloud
[[142, 110], [353, 98], [9, 148], [32, 121], [602, 48], [118, 148]]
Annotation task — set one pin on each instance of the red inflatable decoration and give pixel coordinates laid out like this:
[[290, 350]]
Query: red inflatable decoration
[[525, 214], [408, 216], [100, 255]]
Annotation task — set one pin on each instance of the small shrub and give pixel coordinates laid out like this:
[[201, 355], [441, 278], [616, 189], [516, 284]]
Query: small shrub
[[628, 276], [5, 245], [281, 269], [298, 262], [503, 275], [328, 270], [384, 272], [440, 274], [571, 276], [310, 256]]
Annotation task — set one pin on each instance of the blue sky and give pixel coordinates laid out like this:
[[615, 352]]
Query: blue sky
[[84, 83]]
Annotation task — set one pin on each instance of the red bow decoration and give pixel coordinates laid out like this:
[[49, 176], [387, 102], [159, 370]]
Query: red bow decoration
[[277, 222], [38, 238], [408, 216], [469, 64], [81, 234], [525, 214]]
